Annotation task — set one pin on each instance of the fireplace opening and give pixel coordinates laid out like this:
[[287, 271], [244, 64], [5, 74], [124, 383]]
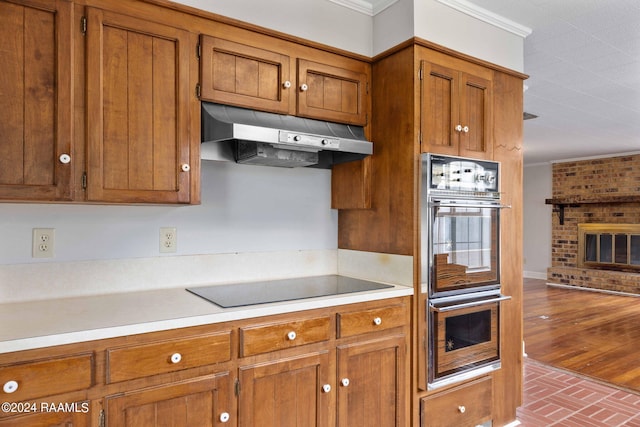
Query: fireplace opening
[[609, 246]]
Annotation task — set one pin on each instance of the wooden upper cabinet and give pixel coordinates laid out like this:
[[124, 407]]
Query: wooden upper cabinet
[[476, 114], [331, 93], [35, 100], [456, 112], [138, 105], [440, 109], [238, 74], [267, 77]]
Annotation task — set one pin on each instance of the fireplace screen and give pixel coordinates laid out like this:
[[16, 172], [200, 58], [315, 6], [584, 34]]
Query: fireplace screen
[[613, 246]]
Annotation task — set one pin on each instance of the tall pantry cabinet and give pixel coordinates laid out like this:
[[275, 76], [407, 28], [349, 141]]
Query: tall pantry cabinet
[[424, 96]]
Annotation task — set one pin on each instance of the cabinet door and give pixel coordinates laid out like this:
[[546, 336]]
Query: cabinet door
[[204, 402], [371, 383], [331, 93], [137, 110], [286, 393], [35, 100], [456, 112], [80, 417], [246, 76], [440, 109], [475, 116]]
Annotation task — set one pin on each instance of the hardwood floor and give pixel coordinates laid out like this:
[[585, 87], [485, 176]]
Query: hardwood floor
[[590, 333]]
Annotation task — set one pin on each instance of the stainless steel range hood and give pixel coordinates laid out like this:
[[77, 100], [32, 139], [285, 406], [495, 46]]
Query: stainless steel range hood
[[255, 137]]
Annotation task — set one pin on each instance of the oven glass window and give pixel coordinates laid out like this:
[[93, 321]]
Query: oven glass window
[[467, 330], [463, 339], [465, 247]]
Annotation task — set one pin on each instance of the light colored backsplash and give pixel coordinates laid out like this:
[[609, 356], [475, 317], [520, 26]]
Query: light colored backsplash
[[390, 268], [30, 282], [42, 281]]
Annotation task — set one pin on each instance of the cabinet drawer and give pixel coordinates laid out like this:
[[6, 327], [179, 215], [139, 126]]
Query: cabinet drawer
[[278, 336], [468, 405], [46, 378], [167, 356], [375, 319]]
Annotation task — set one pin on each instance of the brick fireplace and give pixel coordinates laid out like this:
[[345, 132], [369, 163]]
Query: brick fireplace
[[603, 195]]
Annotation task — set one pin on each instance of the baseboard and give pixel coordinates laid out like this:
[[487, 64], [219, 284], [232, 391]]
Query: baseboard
[[535, 275], [583, 288]]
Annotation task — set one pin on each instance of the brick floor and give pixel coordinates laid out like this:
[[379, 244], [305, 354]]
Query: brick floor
[[558, 398]]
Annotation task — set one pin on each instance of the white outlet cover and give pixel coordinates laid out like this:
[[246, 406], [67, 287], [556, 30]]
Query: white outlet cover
[[168, 239], [43, 243]]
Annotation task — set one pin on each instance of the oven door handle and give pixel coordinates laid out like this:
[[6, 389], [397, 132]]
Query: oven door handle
[[467, 304], [449, 204]]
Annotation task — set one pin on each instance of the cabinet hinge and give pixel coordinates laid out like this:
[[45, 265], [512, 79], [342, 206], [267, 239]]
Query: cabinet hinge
[[83, 25], [420, 137], [101, 418], [198, 51], [420, 72], [367, 88], [84, 180], [237, 387], [198, 90]]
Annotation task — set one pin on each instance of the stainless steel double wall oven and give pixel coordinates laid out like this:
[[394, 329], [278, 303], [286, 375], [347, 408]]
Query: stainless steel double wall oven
[[460, 261]]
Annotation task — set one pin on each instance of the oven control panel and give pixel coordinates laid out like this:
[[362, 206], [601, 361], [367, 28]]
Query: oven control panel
[[461, 174]]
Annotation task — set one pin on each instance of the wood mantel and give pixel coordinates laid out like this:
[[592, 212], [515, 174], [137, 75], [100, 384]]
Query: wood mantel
[[577, 201]]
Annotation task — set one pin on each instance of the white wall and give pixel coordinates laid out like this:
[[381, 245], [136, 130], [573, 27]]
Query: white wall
[[448, 27], [247, 208], [326, 22], [537, 220], [318, 20], [244, 209], [440, 24], [393, 26]]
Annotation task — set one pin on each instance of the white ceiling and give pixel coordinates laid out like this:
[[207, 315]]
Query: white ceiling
[[583, 59]]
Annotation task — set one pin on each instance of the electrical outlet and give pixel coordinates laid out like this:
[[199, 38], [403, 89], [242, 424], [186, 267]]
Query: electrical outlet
[[168, 239], [43, 242]]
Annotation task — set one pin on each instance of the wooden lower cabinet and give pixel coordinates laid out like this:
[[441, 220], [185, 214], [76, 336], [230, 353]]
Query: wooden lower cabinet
[[287, 392], [44, 391], [204, 401], [371, 385], [285, 370], [468, 405], [50, 419]]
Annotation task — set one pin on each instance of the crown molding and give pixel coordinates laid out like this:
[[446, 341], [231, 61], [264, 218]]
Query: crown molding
[[488, 17], [370, 8], [596, 157]]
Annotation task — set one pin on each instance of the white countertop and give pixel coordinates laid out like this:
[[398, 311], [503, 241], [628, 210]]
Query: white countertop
[[36, 324]]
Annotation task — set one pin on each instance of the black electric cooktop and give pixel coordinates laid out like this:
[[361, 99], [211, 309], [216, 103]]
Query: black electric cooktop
[[242, 294]]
